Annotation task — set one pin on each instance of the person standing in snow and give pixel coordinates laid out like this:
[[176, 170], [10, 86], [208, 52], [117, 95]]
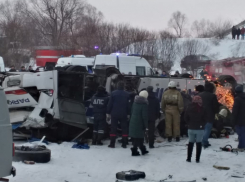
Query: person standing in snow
[[195, 117], [238, 33], [187, 100], [118, 111], [242, 32], [233, 32], [99, 102], [211, 105], [139, 123], [238, 115], [172, 105], [153, 114]]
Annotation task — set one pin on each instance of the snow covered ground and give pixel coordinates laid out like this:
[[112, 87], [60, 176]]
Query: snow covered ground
[[100, 164]]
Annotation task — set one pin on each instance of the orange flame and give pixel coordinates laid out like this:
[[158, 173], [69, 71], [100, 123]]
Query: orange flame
[[224, 96]]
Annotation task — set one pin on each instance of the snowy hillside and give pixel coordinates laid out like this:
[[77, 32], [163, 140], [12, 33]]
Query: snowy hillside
[[217, 50]]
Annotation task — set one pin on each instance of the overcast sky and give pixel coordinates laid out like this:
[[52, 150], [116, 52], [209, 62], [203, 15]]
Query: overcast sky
[[154, 14]]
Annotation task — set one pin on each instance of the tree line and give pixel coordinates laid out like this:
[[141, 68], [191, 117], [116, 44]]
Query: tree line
[[75, 24]]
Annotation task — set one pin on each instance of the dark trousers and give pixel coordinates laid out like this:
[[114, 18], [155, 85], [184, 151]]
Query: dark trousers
[[99, 123], [240, 130], [151, 131], [138, 142], [124, 126]]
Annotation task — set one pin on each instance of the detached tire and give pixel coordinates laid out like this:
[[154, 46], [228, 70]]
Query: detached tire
[[43, 156]]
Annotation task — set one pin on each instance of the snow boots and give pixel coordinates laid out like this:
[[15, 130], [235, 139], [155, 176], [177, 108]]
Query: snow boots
[[143, 150], [94, 141], [124, 142], [177, 139], [135, 152], [100, 136], [97, 139], [198, 151], [169, 139], [189, 151], [112, 143]]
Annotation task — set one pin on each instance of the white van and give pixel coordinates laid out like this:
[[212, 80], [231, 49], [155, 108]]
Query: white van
[[2, 66], [128, 65], [76, 60], [6, 139]]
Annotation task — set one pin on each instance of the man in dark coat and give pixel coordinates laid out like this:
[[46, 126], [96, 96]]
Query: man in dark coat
[[153, 114], [99, 102], [183, 125], [238, 33], [233, 32], [238, 115], [118, 111], [12, 69], [211, 105]]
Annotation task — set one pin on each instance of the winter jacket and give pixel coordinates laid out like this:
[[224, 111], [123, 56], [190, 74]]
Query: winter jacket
[[119, 105], [210, 102], [172, 98], [99, 103], [243, 31], [234, 30], [139, 118], [153, 107], [186, 99], [238, 31], [195, 117], [238, 111]]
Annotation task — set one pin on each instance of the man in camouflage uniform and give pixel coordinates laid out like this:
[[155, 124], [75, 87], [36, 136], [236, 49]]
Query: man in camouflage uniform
[[172, 106]]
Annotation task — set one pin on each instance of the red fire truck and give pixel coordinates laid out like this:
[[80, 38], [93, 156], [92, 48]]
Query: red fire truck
[[46, 54], [231, 66]]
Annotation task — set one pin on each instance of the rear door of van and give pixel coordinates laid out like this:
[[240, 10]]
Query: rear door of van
[[69, 98], [127, 65], [6, 140]]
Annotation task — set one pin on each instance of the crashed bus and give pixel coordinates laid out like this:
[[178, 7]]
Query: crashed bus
[[57, 103]]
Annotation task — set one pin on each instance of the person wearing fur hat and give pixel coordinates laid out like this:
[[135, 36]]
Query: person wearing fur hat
[[139, 123], [238, 115], [211, 105], [118, 110], [172, 105], [195, 117], [99, 102]]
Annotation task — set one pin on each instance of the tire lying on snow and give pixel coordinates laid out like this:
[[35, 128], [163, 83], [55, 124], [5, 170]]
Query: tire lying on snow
[[42, 156]]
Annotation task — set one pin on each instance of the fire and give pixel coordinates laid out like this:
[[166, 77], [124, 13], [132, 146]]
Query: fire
[[224, 96]]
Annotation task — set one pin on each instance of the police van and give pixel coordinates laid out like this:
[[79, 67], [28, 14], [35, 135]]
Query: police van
[[76, 60], [127, 65]]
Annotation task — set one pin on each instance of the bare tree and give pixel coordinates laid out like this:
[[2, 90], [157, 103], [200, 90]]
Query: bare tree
[[219, 28], [54, 18], [166, 50], [201, 29], [178, 22]]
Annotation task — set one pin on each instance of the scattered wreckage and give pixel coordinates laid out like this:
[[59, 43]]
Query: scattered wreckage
[[57, 103]]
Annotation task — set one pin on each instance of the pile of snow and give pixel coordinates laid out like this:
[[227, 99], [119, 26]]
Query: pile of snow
[[100, 163]]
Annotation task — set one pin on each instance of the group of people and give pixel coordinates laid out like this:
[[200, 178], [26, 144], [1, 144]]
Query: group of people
[[22, 69], [237, 32], [137, 115]]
